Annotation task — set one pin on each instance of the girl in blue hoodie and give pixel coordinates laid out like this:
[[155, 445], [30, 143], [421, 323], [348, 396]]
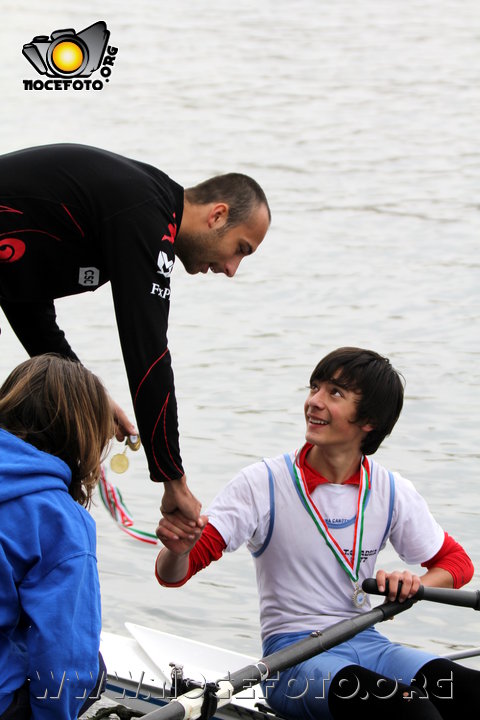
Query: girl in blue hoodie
[[55, 423]]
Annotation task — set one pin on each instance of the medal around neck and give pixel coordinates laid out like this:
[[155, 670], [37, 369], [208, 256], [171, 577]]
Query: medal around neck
[[351, 566], [119, 462], [359, 596]]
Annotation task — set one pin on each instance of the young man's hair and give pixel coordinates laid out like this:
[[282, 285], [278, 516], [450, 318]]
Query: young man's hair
[[379, 385], [61, 408], [240, 192]]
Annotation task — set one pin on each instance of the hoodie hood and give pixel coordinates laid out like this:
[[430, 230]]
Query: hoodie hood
[[24, 469]]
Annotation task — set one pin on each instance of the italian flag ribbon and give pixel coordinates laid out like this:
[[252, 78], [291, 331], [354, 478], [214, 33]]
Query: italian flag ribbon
[[350, 566], [113, 501]]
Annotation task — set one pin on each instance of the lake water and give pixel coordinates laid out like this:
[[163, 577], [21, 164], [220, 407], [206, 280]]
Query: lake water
[[361, 121]]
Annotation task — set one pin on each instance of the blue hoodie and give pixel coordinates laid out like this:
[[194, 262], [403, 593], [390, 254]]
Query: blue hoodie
[[50, 613]]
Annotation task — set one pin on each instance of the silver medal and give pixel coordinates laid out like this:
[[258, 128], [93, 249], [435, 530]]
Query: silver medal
[[359, 596]]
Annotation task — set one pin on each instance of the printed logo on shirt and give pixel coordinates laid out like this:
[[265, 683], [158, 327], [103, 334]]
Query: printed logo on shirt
[[89, 276], [165, 266], [162, 292], [11, 249], [364, 555], [172, 227], [333, 522], [68, 57]]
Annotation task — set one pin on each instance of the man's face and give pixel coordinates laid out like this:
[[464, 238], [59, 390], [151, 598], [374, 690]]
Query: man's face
[[330, 414], [222, 250]]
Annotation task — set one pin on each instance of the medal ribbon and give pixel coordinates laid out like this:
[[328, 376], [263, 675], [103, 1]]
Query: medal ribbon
[[113, 501], [351, 567]]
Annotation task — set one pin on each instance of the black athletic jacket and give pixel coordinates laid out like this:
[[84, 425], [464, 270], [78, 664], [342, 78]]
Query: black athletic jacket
[[71, 219]]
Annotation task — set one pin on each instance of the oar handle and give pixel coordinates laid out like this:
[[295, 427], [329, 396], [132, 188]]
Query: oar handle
[[448, 596]]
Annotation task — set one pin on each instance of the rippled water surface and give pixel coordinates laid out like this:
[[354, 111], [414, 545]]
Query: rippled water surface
[[361, 121]]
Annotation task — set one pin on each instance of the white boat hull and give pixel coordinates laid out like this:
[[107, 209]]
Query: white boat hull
[[139, 671], [140, 667]]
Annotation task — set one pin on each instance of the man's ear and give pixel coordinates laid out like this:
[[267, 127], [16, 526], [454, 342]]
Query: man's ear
[[217, 216], [368, 427]]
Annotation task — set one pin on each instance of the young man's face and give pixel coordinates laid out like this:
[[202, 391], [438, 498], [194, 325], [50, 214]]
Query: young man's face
[[330, 414]]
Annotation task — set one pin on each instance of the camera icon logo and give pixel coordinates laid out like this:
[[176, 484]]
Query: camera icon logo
[[67, 53]]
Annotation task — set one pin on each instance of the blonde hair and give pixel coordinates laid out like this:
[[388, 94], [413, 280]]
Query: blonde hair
[[62, 408]]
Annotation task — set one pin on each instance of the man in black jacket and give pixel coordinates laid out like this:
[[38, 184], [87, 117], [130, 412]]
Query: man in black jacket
[[74, 217]]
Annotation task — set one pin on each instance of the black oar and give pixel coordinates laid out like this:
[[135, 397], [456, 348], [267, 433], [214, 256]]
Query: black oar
[[447, 596], [316, 643]]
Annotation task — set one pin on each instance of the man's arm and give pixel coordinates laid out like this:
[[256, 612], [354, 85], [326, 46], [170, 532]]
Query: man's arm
[[123, 426], [179, 501], [35, 325], [140, 258], [141, 296]]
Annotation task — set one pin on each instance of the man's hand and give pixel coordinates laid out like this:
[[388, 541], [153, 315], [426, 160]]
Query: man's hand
[[123, 426], [180, 506], [179, 537], [177, 532]]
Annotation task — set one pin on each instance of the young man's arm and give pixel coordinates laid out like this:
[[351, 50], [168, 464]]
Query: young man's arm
[[236, 516], [452, 560], [420, 540], [172, 567], [410, 582], [184, 556], [451, 567], [437, 577]]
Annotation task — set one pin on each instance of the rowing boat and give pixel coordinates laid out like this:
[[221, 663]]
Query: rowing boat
[[146, 669], [151, 669]]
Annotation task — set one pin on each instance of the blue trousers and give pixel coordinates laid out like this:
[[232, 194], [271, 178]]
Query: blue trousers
[[302, 691]]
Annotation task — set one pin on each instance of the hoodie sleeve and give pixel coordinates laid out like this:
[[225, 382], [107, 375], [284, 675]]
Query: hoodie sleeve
[[63, 638]]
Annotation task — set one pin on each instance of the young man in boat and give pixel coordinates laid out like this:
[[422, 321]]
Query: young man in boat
[[73, 218], [315, 521]]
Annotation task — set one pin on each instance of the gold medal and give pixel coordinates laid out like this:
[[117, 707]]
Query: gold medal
[[119, 462]]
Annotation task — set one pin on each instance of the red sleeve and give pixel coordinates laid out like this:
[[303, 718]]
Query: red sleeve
[[452, 558], [209, 546]]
